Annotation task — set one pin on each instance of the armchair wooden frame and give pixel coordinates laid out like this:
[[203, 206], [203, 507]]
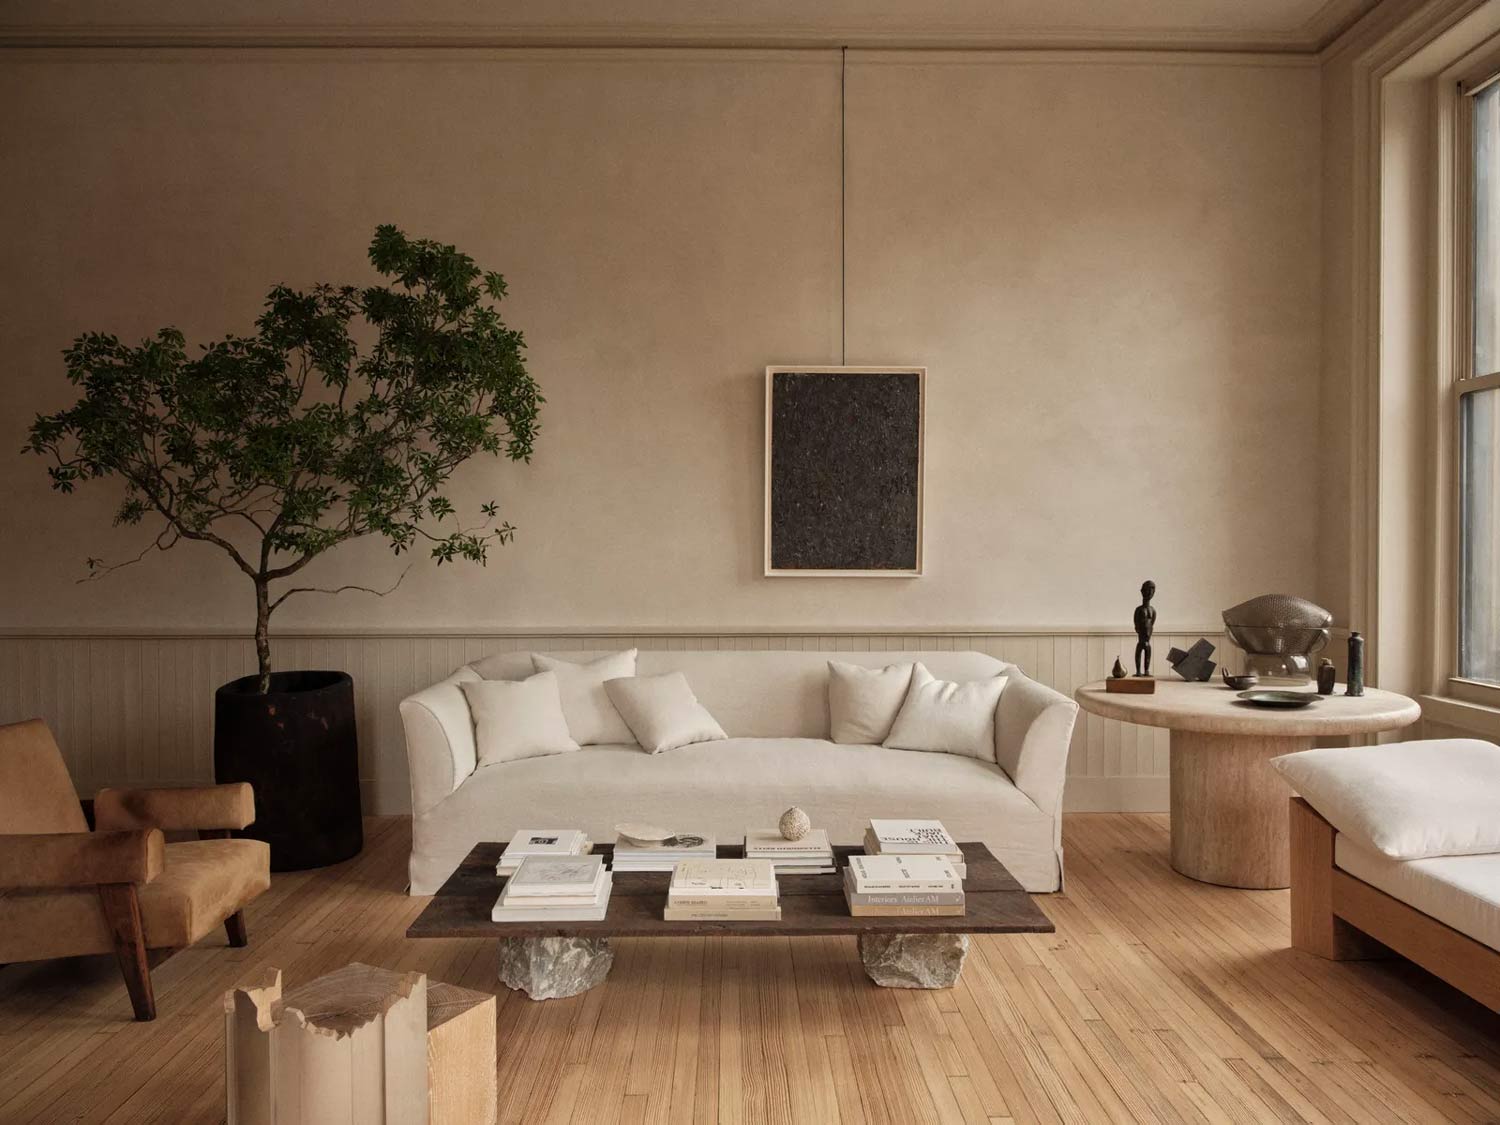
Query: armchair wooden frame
[[1337, 916]]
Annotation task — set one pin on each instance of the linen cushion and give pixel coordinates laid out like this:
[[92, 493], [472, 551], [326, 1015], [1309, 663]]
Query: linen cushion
[[1406, 800], [592, 718], [1462, 891], [863, 702], [947, 717], [662, 711], [515, 719]]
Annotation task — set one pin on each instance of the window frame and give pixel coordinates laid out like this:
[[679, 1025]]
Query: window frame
[[1456, 360]]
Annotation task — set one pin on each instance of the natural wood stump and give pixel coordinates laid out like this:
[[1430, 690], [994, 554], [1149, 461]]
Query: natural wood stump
[[1229, 823], [359, 1045]]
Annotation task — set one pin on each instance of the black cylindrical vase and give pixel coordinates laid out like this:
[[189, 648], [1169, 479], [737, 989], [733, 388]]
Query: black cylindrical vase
[[296, 745]]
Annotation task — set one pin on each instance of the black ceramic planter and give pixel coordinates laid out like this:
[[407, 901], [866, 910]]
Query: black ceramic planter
[[296, 745]]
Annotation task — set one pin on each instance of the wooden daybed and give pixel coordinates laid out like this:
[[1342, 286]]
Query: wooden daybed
[[1338, 916]]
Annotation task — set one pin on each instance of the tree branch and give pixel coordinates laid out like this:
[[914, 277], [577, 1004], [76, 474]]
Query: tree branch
[[339, 589]]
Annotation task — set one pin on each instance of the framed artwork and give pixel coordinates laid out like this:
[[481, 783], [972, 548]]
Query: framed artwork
[[844, 471]]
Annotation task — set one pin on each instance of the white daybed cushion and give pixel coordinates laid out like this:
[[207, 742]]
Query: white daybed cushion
[[516, 719], [662, 712], [592, 718], [948, 717], [1406, 800], [1462, 891], [863, 702]]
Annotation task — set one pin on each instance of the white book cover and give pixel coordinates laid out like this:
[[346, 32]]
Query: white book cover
[[724, 876], [915, 872], [527, 901], [690, 845], [768, 843], [542, 841], [913, 836], [556, 875], [563, 914]]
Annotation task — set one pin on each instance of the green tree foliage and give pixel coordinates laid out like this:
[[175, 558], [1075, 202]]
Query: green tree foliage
[[280, 446]]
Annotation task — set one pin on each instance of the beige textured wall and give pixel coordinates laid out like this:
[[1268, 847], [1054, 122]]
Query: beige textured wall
[[1109, 264]]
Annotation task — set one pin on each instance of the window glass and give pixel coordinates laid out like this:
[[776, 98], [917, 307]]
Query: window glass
[[1487, 230], [1479, 534]]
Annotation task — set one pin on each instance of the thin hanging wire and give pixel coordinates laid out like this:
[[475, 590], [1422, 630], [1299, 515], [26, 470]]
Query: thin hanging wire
[[843, 204]]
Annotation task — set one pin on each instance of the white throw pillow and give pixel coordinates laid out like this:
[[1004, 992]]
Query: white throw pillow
[[516, 719], [662, 711], [1407, 800], [592, 718], [863, 702], [946, 717]]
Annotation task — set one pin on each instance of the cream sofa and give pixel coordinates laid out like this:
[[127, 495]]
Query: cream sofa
[[774, 707]]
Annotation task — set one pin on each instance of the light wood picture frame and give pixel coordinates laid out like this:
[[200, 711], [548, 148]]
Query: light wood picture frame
[[845, 471]]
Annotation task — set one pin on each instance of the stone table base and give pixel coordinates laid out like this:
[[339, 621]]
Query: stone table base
[[551, 968], [914, 960]]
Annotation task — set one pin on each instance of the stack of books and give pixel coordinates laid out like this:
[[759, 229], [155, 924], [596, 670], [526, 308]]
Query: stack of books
[[723, 890], [664, 856], [914, 837], [542, 841], [811, 855], [897, 886], [555, 888]]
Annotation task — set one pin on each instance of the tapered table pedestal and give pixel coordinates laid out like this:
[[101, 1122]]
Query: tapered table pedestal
[[1229, 806]]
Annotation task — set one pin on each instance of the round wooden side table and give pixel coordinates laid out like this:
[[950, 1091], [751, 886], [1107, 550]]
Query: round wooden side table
[[1229, 806]]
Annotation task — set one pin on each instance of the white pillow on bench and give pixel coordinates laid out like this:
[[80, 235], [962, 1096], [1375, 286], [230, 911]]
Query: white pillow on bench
[[1407, 800]]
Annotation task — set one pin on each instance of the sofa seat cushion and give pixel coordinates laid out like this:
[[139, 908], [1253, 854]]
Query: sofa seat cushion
[[203, 882], [728, 786], [1462, 891]]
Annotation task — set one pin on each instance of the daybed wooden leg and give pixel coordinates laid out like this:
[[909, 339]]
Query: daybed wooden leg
[[122, 914], [1315, 927], [234, 926]]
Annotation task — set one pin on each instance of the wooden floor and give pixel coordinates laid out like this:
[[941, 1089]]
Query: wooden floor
[[1158, 999]]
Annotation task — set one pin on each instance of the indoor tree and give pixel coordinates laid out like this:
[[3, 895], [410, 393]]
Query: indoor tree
[[344, 415]]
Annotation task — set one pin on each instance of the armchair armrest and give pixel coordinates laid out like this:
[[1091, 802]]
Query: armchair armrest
[[1033, 733], [200, 807], [81, 859]]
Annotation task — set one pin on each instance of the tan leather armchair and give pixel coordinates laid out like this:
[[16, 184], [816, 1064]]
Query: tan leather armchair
[[66, 891]]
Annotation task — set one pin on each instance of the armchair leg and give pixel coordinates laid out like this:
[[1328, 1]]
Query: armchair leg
[[234, 926], [122, 914]]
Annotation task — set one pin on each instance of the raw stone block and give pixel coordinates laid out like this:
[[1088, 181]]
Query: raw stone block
[[914, 960], [550, 968]]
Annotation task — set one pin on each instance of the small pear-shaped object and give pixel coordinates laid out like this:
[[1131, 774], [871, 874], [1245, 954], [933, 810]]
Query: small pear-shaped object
[[794, 824], [1118, 671]]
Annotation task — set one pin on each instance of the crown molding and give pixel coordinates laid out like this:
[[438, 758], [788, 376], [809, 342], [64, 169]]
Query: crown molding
[[173, 633], [1313, 35]]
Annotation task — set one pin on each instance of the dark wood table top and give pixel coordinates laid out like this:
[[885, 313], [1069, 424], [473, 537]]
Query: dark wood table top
[[811, 905]]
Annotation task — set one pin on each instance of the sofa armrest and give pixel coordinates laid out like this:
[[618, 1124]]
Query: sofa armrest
[[200, 807], [81, 859], [1033, 733], [439, 739]]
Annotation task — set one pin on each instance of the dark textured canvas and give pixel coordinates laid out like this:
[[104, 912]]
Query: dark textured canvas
[[845, 470]]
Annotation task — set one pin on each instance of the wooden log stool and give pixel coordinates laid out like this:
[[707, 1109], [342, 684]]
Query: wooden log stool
[[360, 1045]]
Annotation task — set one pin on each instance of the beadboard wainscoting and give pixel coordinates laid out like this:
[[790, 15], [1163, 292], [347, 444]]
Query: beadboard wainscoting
[[138, 708]]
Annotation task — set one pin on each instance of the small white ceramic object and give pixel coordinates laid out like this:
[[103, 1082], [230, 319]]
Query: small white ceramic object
[[636, 833]]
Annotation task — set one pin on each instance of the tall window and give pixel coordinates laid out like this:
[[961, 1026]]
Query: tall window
[[1479, 411]]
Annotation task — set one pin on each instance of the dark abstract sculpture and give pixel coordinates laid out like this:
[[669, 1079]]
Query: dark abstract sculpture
[[1194, 664], [1145, 623], [1356, 673], [1326, 677]]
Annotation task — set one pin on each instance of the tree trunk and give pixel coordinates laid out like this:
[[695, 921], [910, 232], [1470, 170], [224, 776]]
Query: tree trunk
[[263, 633]]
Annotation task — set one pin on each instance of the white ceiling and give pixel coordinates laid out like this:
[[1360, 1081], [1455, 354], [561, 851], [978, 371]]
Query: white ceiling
[[1272, 25]]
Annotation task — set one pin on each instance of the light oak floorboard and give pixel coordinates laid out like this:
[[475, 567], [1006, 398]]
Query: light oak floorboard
[[1158, 999]]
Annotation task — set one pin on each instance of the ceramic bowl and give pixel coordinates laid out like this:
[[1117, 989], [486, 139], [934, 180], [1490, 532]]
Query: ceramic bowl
[[1240, 682]]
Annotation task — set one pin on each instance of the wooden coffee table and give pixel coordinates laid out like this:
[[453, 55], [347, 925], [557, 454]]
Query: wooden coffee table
[[551, 960]]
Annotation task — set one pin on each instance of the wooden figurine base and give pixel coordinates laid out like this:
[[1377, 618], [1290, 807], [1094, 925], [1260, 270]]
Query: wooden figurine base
[[1131, 685]]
